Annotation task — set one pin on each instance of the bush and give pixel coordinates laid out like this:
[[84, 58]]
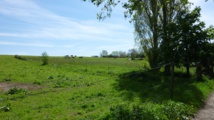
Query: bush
[[19, 57], [37, 83], [119, 113], [177, 111], [124, 113], [6, 108], [15, 90], [67, 56], [169, 110], [44, 58]]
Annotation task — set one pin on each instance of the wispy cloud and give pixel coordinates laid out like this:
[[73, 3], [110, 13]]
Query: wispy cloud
[[50, 25], [27, 23], [26, 44]]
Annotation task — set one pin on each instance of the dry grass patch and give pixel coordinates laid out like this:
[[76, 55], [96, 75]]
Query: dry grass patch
[[5, 86]]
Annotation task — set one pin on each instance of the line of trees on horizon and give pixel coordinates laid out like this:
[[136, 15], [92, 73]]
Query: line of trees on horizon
[[132, 53]]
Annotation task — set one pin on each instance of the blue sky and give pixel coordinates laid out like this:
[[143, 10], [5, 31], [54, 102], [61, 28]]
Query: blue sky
[[68, 27]]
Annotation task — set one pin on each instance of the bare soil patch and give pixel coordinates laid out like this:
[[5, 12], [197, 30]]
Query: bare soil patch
[[207, 112], [5, 86]]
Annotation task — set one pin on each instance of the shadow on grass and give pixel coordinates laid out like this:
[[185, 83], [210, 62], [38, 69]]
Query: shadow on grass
[[153, 86]]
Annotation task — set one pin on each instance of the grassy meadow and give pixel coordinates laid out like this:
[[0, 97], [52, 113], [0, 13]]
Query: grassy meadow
[[95, 88]]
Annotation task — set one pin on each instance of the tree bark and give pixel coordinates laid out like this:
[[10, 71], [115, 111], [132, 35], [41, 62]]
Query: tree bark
[[167, 70], [199, 71], [165, 38], [187, 67]]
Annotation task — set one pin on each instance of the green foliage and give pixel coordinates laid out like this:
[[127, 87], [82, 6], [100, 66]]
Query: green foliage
[[104, 53], [15, 90], [20, 57], [188, 39], [115, 54], [169, 110], [44, 58], [132, 53], [119, 113], [210, 31], [37, 83], [177, 111], [6, 108], [50, 77], [7, 79]]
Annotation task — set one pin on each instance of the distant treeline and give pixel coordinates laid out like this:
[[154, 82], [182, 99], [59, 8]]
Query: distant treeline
[[20, 57], [132, 53]]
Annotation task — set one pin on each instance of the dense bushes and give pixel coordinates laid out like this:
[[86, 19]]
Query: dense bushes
[[19, 57], [169, 110], [123, 113], [177, 111]]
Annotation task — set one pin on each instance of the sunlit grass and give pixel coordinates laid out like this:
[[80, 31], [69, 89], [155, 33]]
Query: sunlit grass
[[86, 88]]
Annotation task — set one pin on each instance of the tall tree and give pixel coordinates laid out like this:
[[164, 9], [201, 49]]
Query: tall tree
[[169, 11], [146, 23], [189, 36], [132, 53], [122, 54], [207, 55], [115, 54], [104, 53]]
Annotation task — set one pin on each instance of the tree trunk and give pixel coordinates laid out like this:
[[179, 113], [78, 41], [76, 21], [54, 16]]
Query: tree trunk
[[199, 71], [209, 68], [187, 67], [167, 70], [165, 39], [154, 28]]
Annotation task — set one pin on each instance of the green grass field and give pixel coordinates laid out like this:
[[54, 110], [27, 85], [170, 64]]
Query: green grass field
[[90, 88]]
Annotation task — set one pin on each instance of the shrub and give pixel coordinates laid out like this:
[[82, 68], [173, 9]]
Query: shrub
[[37, 83], [169, 110], [7, 79], [119, 113], [19, 57], [175, 110], [44, 58], [50, 77], [122, 112], [67, 56], [15, 90], [6, 108]]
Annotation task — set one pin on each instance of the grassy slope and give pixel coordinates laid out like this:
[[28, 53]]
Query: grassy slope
[[86, 88]]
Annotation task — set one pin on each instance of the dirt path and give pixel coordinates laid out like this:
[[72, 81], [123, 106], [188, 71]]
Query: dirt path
[[207, 112], [5, 86]]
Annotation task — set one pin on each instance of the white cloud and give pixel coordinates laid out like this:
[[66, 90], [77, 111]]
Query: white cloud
[[36, 26], [14, 35], [49, 25], [26, 44]]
